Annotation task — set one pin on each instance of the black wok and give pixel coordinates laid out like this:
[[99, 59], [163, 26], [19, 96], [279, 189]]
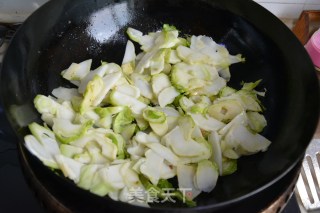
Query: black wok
[[62, 32]]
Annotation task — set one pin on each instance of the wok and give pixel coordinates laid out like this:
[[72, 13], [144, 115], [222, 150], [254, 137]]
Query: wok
[[66, 31]]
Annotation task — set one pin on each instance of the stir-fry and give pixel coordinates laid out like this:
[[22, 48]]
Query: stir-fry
[[129, 130]]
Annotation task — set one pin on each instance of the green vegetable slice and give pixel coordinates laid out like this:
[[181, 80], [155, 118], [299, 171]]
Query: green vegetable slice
[[153, 115], [166, 112]]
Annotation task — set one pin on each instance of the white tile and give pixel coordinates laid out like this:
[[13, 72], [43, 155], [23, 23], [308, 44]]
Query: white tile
[[18, 10], [291, 11], [282, 1], [311, 7], [312, 1]]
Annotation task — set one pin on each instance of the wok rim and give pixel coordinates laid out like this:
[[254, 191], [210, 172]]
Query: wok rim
[[272, 181]]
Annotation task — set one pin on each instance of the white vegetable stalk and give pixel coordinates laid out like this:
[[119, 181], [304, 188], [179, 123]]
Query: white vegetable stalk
[[76, 72], [165, 112]]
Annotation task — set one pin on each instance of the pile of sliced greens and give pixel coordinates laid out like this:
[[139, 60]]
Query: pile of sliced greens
[[165, 113]]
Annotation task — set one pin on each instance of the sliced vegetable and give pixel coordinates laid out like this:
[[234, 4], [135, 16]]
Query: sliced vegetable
[[100, 71], [76, 72], [257, 121], [98, 185], [70, 151], [153, 115], [123, 119], [182, 147], [206, 176], [151, 168], [93, 89], [166, 113], [186, 175], [244, 142], [128, 131], [69, 167], [164, 152], [160, 82], [129, 54], [86, 176], [214, 140], [160, 128], [65, 94], [229, 166], [128, 89], [225, 110], [120, 99], [207, 123], [167, 96], [142, 82], [66, 131], [50, 108], [118, 140], [34, 146]]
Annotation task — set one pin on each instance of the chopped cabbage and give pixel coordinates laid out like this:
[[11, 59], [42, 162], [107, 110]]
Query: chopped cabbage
[[77, 72], [166, 112]]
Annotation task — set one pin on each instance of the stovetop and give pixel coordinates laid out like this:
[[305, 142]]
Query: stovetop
[[15, 194]]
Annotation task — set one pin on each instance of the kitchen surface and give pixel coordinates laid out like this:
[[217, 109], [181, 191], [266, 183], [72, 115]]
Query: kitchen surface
[[16, 195]]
